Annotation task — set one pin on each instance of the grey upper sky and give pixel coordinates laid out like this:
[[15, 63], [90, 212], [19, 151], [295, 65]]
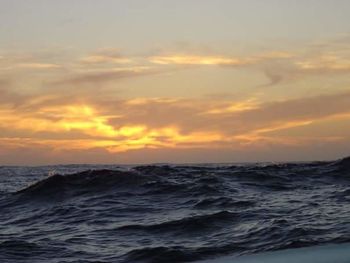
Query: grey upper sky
[[142, 24]]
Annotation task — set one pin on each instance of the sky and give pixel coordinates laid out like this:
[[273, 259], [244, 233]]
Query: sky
[[186, 81]]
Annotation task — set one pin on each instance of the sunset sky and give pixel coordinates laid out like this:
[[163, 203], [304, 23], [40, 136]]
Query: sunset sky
[[185, 81]]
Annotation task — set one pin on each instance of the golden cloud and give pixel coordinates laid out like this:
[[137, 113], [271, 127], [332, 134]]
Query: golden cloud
[[198, 60], [161, 123], [96, 59]]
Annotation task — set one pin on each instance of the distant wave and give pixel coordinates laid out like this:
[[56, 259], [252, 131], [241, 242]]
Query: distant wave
[[148, 175], [92, 180]]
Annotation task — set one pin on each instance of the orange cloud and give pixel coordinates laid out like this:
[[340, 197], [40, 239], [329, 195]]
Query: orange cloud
[[236, 107], [96, 59], [164, 123], [107, 55], [324, 63], [197, 60]]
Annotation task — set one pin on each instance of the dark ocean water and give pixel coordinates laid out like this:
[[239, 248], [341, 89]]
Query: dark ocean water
[[170, 213]]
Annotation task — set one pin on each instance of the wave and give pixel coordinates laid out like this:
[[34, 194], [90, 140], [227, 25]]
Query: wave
[[16, 250], [342, 166], [188, 225], [270, 175], [161, 254], [90, 181], [345, 162], [175, 254], [222, 202]]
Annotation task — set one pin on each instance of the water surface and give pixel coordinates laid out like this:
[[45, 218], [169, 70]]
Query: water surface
[[170, 213]]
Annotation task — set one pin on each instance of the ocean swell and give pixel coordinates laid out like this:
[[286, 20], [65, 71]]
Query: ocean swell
[[170, 213]]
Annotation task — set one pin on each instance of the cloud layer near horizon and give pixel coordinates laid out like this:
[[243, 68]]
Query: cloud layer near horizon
[[116, 126], [103, 104]]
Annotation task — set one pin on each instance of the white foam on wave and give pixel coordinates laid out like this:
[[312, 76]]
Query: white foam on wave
[[318, 254]]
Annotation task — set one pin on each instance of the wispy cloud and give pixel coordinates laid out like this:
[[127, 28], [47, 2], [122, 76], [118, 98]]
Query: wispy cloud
[[105, 76], [10, 62], [106, 65], [98, 59], [278, 66], [198, 60], [112, 56], [298, 68]]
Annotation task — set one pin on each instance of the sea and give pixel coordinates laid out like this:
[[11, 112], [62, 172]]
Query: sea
[[170, 213]]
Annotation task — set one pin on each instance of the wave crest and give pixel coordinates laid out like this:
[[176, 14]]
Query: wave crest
[[92, 180]]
